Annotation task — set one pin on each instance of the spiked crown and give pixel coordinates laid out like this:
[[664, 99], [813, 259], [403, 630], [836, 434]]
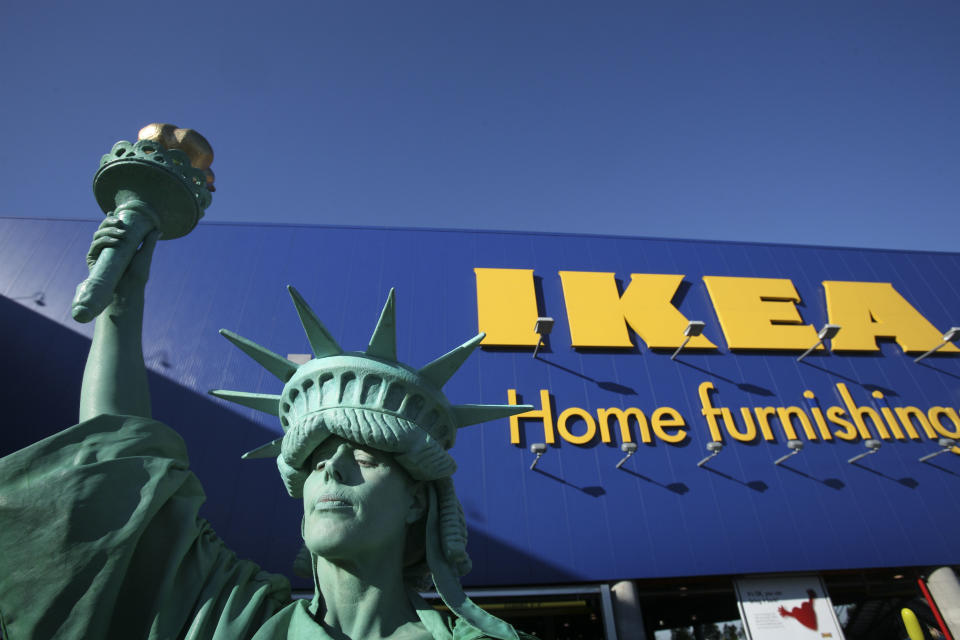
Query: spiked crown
[[368, 397], [372, 399]]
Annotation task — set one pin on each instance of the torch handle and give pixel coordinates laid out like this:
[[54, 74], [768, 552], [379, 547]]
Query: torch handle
[[96, 292]]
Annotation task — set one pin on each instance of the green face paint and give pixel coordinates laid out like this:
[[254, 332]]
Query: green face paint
[[356, 500]]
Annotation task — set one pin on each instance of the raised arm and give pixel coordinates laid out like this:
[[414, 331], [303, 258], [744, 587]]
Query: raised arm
[[115, 378]]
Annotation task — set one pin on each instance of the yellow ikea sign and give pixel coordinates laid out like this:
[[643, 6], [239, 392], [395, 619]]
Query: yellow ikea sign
[[753, 313]]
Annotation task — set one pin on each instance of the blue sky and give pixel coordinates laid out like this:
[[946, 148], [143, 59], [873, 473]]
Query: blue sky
[[808, 122]]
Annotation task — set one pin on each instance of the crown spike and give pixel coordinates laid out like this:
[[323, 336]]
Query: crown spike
[[269, 450], [275, 364], [321, 342], [442, 369], [383, 342], [468, 414], [265, 402]]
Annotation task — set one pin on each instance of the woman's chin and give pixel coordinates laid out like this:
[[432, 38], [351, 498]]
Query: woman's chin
[[330, 542], [332, 552]]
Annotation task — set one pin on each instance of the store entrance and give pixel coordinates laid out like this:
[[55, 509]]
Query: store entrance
[[549, 613]]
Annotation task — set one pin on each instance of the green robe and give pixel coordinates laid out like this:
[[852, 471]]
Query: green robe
[[100, 538]]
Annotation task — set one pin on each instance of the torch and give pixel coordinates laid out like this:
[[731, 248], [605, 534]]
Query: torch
[[163, 181]]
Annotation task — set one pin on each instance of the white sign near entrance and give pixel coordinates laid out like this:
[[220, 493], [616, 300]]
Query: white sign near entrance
[[786, 608]]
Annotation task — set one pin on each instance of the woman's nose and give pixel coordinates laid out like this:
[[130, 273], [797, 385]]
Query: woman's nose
[[336, 466]]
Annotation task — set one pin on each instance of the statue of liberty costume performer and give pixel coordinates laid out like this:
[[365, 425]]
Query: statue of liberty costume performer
[[100, 536], [372, 400]]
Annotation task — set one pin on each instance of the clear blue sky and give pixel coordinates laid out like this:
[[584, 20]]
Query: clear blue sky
[[810, 122]]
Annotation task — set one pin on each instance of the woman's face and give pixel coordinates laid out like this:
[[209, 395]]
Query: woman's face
[[356, 500]]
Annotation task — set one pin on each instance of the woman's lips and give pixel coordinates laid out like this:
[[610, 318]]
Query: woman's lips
[[330, 502]]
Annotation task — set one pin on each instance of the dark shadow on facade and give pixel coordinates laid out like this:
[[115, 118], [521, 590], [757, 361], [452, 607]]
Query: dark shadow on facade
[[938, 369], [41, 390], [910, 483], [678, 488], [833, 483], [594, 491], [865, 385], [756, 485], [606, 386], [743, 386], [937, 466], [500, 563]]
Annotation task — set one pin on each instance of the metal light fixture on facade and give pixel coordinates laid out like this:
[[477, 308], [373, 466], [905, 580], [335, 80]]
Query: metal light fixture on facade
[[628, 448], [542, 327], [827, 332], [953, 335], [538, 448], [694, 329], [872, 447], [795, 446], [945, 445], [714, 448]]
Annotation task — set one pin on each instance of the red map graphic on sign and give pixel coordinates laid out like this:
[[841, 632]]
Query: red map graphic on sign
[[804, 614]]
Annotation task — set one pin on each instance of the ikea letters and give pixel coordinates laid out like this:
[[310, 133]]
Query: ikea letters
[[753, 313]]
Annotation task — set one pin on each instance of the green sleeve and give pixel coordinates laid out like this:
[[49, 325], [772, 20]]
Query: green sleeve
[[100, 538], [462, 630]]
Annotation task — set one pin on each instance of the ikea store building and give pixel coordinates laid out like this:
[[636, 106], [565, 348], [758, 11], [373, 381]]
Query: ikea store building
[[725, 490]]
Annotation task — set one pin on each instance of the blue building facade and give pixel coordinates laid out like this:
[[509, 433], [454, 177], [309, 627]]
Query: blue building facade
[[575, 518]]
